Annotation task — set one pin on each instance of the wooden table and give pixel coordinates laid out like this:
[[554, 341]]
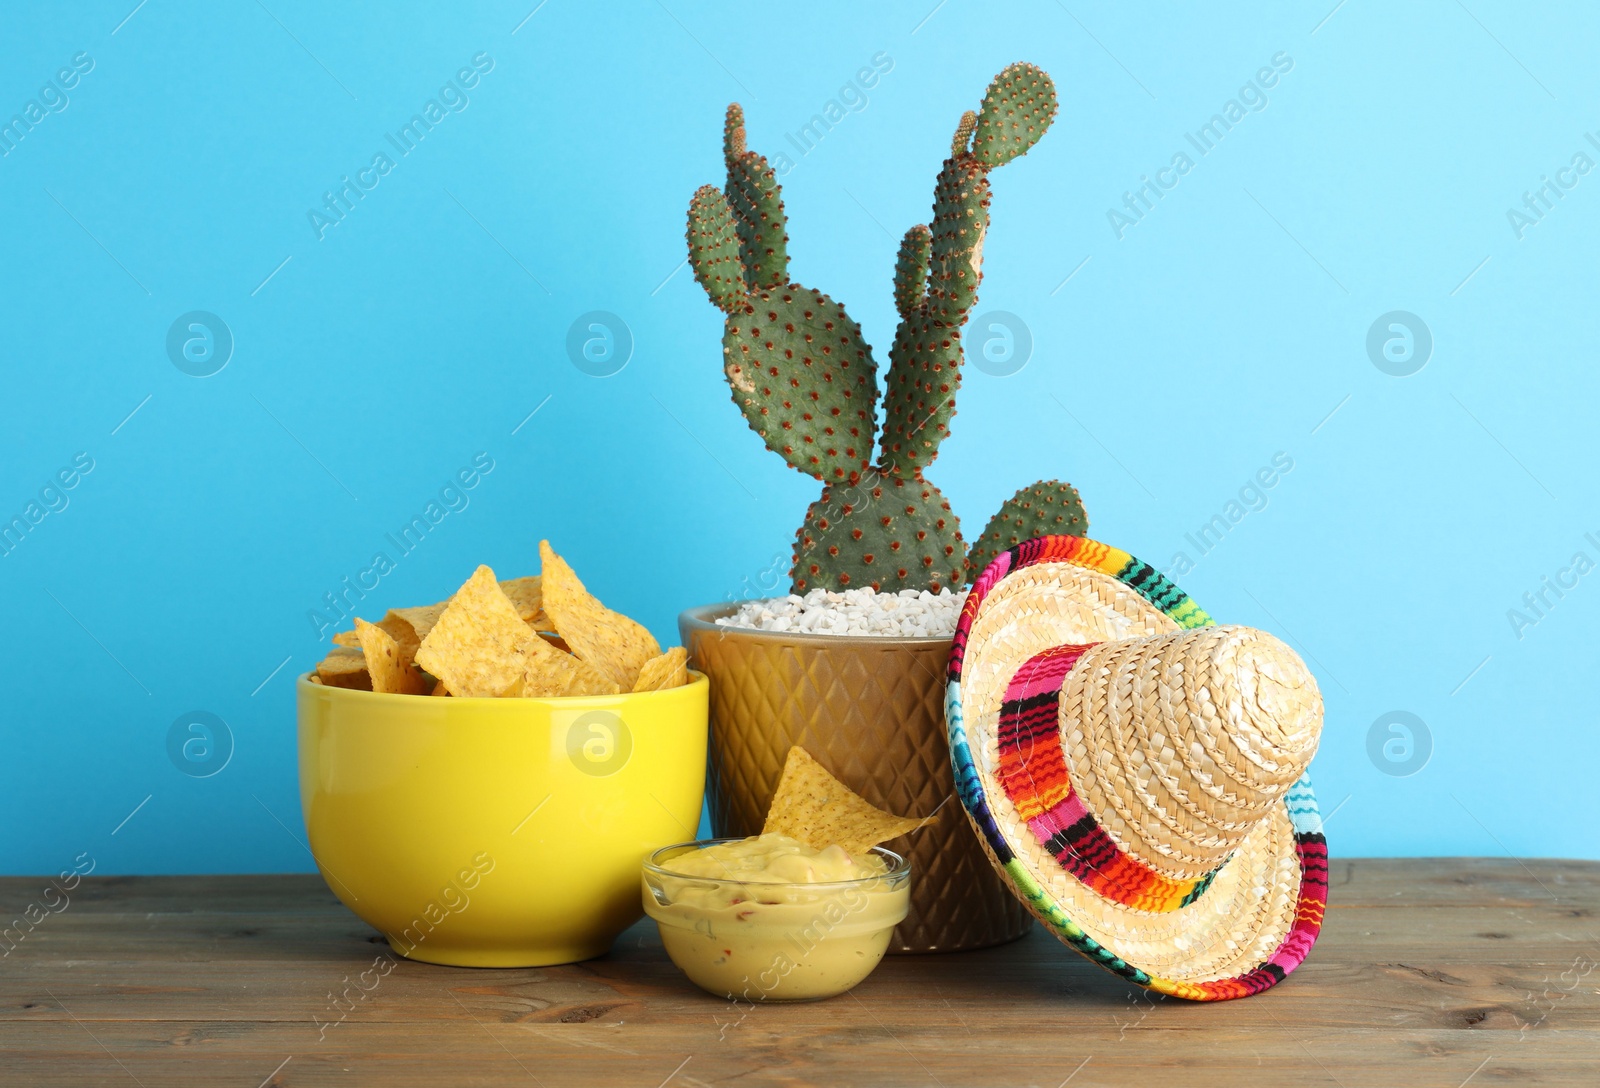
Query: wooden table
[[1429, 972]]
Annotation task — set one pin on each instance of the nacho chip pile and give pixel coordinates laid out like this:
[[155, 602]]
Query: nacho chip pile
[[534, 637]]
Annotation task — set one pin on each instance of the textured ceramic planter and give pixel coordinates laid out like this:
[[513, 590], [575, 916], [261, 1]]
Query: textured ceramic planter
[[872, 710]]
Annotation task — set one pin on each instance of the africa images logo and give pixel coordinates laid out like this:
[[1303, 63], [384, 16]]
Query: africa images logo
[[339, 604], [1250, 98], [52, 98], [452, 98], [52, 499], [1542, 199]]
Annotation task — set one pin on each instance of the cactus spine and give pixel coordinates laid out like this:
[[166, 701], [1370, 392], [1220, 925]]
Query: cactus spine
[[806, 379]]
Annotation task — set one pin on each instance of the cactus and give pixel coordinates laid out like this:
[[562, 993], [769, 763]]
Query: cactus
[[1047, 508], [885, 531], [800, 370], [806, 379]]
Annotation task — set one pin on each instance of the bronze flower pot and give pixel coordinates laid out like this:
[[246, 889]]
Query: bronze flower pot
[[871, 709]]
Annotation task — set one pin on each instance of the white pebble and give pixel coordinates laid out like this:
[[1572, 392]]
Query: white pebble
[[910, 613]]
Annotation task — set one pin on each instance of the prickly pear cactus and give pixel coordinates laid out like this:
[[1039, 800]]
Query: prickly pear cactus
[[1047, 508], [883, 531], [714, 249], [799, 368], [920, 393], [757, 202], [911, 270], [806, 380], [960, 222], [925, 362], [1018, 107]]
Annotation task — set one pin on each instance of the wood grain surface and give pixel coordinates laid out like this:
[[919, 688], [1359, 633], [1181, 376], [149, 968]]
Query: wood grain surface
[[1429, 972]]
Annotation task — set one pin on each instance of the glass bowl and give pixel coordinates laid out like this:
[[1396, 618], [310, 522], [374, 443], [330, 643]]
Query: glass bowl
[[756, 940]]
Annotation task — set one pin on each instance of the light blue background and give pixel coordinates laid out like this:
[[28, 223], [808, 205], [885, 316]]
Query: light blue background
[[1229, 325]]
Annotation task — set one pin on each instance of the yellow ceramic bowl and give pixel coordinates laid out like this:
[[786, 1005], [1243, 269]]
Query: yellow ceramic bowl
[[497, 832]]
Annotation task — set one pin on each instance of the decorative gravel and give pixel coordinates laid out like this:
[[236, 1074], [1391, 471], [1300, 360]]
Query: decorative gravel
[[909, 613]]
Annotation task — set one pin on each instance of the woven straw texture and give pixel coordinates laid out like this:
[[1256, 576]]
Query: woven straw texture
[[1137, 773]]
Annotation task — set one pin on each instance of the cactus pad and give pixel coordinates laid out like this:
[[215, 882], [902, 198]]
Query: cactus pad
[[1049, 507], [961, 142], [1018, 107], [960, 221], [911, 270], [919, 397], [733, 133], [805, 380], [714, 248], [757, 202], [887, 532]]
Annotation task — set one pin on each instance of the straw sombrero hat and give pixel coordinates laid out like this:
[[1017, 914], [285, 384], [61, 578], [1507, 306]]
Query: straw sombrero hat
[[1136, 772]]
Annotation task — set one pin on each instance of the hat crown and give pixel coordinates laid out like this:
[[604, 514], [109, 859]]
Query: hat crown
[[1181, 744]]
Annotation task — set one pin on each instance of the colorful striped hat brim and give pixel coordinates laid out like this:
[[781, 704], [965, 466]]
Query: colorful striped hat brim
[[1207, 919]]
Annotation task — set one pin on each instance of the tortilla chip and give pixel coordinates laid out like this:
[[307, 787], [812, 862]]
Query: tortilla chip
[[440, 688], [345, 668], [526, 597], [549, 672], [608, 640], [401, 630], [397, 628], [670, 670], [421, 618], [476, 644], [315, 679], [813, 806], [389, 672], [556, 640]]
